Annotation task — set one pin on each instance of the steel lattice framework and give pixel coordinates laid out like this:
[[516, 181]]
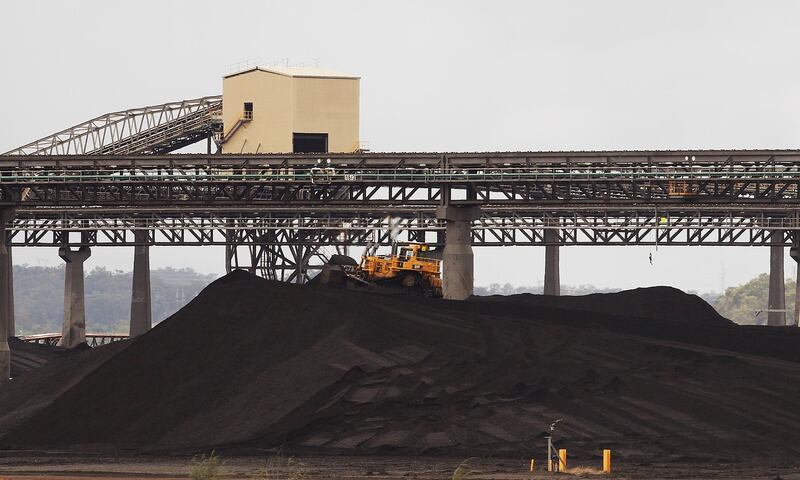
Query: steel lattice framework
[[274, 212], [384, 180], [153, 129], [500, 227]]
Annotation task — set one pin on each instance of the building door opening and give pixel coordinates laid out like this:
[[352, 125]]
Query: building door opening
[[248, 110], [310, 143]]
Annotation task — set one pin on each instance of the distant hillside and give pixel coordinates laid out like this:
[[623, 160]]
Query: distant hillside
[[737, 303], [39, 301], [740, 303], [508, 289]]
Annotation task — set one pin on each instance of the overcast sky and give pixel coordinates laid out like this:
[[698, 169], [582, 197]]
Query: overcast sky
[[455, 76]]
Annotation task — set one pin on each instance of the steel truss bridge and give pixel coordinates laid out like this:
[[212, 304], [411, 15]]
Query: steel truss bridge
[[153, 129], [109, 181], [274, 212]]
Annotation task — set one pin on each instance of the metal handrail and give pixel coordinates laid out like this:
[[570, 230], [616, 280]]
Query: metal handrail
[[390, 175]]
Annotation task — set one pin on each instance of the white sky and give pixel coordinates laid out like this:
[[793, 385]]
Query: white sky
[[456, 75]]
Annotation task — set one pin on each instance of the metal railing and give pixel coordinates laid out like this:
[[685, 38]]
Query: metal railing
[[383, 175], [92, 339]]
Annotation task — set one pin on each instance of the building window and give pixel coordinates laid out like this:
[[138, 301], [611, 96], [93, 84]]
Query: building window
[[310, 143], [248, 110]]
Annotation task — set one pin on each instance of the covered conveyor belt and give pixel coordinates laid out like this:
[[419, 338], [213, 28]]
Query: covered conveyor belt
[[154, 129]]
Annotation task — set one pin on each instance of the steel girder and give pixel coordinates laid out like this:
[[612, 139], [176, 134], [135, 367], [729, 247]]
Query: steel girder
[[633, 160], [382, 194], [87, 186], [381, 180], [595, 226], [274, 212]]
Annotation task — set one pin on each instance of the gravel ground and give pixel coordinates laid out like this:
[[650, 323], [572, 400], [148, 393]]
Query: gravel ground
[[39, 465]]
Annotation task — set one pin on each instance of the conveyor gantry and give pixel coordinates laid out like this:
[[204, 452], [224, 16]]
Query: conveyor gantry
[[146, 130]]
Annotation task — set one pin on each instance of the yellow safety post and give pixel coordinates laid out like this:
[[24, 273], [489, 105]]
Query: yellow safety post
[[562, 460], [606, 461], [533, 464]]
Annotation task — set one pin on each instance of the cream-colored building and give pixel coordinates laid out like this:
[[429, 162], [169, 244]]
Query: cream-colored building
[[294, 109]]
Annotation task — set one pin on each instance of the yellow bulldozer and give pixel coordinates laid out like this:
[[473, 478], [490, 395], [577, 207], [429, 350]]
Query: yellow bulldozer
[[406, 270]]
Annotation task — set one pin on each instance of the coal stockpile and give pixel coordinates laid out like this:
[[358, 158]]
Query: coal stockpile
[[27, 356], [253, 364]]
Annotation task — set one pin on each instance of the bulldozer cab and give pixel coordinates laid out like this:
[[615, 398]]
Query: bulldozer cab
[[402, 257], [411, 251], [405, 253]]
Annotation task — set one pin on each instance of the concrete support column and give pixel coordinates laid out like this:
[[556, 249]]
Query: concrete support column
[[6, 300], [12, 324], [794, 252], [458, 260], [777, 289], [552, 277], [796, 322], [141, 304], [73, 332]]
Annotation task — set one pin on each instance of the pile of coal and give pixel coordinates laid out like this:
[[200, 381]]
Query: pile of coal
[[253, 364]]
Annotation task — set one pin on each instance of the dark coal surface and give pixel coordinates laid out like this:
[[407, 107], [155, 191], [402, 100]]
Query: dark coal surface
[[256, 364], [26, 356], [653, 303], [38, 388]]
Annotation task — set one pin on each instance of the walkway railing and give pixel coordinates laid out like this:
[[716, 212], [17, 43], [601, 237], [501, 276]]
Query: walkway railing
[[93, 339]]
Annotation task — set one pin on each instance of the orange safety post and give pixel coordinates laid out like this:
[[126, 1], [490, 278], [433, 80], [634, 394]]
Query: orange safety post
[[606, 461], [562, 460]]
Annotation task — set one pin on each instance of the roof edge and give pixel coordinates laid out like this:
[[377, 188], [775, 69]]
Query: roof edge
[[290, 75]]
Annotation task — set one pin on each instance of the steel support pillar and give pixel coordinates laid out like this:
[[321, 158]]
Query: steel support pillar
[[458, 260], [298, 264], [6, 300], [777, 289], [230, 248], [552, 277], [141, 304], [73, 332]]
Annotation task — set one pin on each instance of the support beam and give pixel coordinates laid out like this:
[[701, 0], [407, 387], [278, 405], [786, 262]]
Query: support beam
[[141, 304], [777, 289], [458, 259], [298, 263], [230, 248], [73, 332], [5, 299], [552, 277]]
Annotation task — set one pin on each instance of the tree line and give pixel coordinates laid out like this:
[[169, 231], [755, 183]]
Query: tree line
[[39, 301]]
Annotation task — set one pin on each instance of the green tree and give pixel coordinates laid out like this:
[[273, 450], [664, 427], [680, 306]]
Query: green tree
[[740, 303], [39, 300]]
